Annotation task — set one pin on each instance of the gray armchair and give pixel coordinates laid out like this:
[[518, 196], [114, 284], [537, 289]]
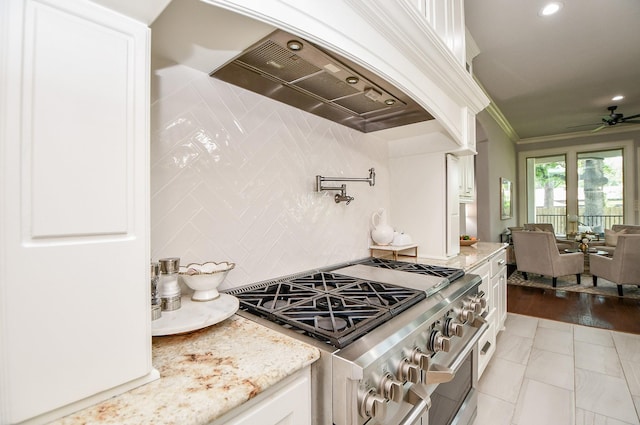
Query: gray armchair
[[536, 252], [623, 268]]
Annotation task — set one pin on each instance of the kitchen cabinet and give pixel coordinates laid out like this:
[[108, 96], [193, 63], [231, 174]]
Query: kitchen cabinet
[[499, 287], [424, 202], [466, 183], [74, 291], [287, 403], [487, 343], [447, 20], [493, 272]]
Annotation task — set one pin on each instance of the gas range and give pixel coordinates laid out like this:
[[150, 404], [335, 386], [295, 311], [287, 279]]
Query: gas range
[[389, 332]]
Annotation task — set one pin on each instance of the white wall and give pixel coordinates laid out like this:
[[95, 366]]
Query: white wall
[[496, 158], [233, 179]]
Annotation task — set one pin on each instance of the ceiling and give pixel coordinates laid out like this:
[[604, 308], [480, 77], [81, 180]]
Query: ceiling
[[549, 74]]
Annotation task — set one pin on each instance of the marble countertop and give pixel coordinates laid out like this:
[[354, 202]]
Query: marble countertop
[[469, 257], [203, 375]]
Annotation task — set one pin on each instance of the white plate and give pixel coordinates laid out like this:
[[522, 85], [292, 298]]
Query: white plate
[[194, 315]]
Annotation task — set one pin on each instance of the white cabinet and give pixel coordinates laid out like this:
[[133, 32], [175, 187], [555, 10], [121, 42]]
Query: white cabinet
[[446, 18], [499, 287], [287, 403], [486, 344], [424, 202], [74, 292], [466, 183], [493, 272]]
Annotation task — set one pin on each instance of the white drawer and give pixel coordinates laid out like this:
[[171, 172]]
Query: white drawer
[[486, 345], [498, 262]]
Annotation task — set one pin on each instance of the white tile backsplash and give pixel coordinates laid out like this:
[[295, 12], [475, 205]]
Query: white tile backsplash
[[233, 179]]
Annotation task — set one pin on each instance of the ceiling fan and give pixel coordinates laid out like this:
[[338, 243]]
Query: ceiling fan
[[615, 118]]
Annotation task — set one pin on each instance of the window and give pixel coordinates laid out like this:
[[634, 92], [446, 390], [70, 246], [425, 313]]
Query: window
[[585, 185], [600, 189], [547, 189]]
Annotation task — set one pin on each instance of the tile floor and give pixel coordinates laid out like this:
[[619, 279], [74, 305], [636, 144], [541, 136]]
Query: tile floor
[[553, 373]]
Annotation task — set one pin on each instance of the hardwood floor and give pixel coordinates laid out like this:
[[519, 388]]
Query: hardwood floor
[[613, 313]]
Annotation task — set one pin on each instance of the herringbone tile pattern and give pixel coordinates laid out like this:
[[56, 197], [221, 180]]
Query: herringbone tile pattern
[[233, 179]]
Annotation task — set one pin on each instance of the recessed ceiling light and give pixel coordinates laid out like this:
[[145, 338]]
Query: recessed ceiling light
[[550, 8], [352, 80], [618, 97], [294, 45]]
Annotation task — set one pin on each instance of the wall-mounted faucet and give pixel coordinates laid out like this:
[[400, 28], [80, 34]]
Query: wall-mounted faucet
[[342, 196]]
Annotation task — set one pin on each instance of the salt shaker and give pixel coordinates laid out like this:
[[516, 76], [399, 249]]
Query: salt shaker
[[156, 303], [169, 288]]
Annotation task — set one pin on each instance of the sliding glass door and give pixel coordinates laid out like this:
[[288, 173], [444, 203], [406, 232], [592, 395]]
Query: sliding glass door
[[600, 189], [547, 191], [578, 190]]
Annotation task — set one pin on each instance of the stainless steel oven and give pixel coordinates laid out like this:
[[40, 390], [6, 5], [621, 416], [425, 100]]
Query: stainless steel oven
[[397, 339]]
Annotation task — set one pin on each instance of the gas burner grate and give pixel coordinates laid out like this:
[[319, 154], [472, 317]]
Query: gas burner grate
[[338, 319], [426, 269], [328, 306]]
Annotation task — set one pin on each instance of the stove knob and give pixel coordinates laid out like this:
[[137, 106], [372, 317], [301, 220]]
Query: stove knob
[[472, 305], [408, 372], [465, 314], [452, 328], [391, 388], [438, 342], [481, 299], [420, 358], [373, 405]]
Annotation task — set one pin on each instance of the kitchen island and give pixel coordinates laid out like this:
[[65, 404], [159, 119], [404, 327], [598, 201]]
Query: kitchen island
[[204, 375]]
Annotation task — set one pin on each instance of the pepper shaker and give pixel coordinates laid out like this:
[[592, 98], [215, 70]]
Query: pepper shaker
[[169, 288]]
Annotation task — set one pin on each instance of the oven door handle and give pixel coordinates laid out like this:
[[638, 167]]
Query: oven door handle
[[419, 397]]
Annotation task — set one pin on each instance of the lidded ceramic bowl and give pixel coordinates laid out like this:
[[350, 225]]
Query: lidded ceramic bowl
[[205, 278]]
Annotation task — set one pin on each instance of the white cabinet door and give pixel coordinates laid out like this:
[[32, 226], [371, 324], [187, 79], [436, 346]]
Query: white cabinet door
[[73, 204], [424, 202], [499, 285], [286, 404]]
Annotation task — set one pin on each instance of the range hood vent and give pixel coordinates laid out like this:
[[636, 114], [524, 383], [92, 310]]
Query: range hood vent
[[291, 70]]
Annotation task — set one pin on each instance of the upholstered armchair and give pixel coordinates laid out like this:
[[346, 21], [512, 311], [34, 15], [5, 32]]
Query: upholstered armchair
[[623, 268], [611, 236], [548, 227], [536, 252]]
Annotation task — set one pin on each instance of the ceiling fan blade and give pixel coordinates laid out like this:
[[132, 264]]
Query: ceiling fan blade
[[598, 129], [630, 117], [630, 122]]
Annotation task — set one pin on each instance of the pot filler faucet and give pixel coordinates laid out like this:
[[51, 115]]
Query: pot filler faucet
[[342, 196]]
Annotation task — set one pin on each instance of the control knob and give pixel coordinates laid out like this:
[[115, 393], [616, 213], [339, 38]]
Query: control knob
[[373, 405], [465, 314], [452, 328], [408, 371], [479, 297], [472, 305], [438, 342], [391, 388], [420, 358]]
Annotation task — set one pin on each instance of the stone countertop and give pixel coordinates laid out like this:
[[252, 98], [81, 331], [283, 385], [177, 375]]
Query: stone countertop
[[203, 375], [469, 257]]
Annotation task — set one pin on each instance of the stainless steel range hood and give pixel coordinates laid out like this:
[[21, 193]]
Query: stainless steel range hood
[[291, 70]]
